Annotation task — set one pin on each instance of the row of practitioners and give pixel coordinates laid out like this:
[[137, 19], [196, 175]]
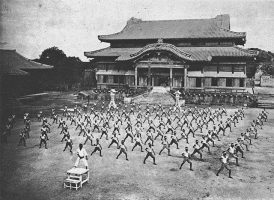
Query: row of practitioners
[[121, 146]]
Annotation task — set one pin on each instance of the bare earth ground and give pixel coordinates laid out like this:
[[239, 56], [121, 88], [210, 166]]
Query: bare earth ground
[[33, 173]]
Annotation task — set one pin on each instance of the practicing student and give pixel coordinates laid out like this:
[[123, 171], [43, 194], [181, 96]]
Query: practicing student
[[68, 143], [186, 156], [43, 139], [98, 147], [150, 153], [138, 142], [197, 148], [165, 146], [123, 149], [22, 139], [224, 160]]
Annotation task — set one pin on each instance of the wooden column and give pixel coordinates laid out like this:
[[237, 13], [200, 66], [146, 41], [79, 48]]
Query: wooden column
[[136, 77], [170, 77], [185, 77], [149, 75]]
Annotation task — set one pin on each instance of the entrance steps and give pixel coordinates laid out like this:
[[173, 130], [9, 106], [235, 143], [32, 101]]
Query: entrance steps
[[160, 89], [155, 97], [266, 101]]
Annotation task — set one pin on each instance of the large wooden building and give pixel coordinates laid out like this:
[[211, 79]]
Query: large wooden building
[[189, 54]]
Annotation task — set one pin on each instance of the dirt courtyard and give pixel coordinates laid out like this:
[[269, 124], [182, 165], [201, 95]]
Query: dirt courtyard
[[33, 173]]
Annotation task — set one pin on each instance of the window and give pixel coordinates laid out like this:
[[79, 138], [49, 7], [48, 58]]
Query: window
[[105, 79], [228, 82], [122, 79], [210, 68], [116, 79], [242, 82], [214, 82], [198, 82]]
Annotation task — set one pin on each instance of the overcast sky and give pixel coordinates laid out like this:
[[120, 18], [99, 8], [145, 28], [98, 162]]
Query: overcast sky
[[30, 26]]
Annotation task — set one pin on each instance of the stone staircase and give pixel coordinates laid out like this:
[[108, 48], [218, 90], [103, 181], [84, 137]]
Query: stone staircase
[[266, 101], [160, 89], [158, 95]]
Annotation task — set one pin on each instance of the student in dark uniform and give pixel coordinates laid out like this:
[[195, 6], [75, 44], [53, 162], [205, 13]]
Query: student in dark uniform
[[22, 139], [129, 134], [98, 147], [150, 153], [204, 144], [123, 149], [186, 156], [104, 132], [115, 140], [239, 148], [66, 134], [174, 140], [197, 148], [68, 144], [43, 139]]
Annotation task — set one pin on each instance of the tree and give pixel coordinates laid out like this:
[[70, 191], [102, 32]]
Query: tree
[[52, 56], [67, 70], [268, 68]]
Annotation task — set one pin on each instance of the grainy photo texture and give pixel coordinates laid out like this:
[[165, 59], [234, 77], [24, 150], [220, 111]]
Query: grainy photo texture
[[137, 99]]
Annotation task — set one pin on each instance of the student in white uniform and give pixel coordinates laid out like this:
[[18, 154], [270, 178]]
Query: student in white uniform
[[82, 156], [224, 160]]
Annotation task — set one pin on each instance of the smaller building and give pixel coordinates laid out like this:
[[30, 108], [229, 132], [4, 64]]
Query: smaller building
[[19, 74]]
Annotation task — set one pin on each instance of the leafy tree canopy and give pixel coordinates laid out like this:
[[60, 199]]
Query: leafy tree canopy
[[52, 56]]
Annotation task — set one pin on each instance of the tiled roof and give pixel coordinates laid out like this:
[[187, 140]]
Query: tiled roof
[[13, 63], [196, 53], [173, 29]]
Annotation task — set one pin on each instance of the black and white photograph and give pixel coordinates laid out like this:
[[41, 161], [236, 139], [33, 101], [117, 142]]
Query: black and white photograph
[[136, 99]]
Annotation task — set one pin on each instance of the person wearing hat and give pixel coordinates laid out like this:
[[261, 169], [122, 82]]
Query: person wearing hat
[[165, 146], [186, 156], [81, 156], [224, 160], [150, 153]]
